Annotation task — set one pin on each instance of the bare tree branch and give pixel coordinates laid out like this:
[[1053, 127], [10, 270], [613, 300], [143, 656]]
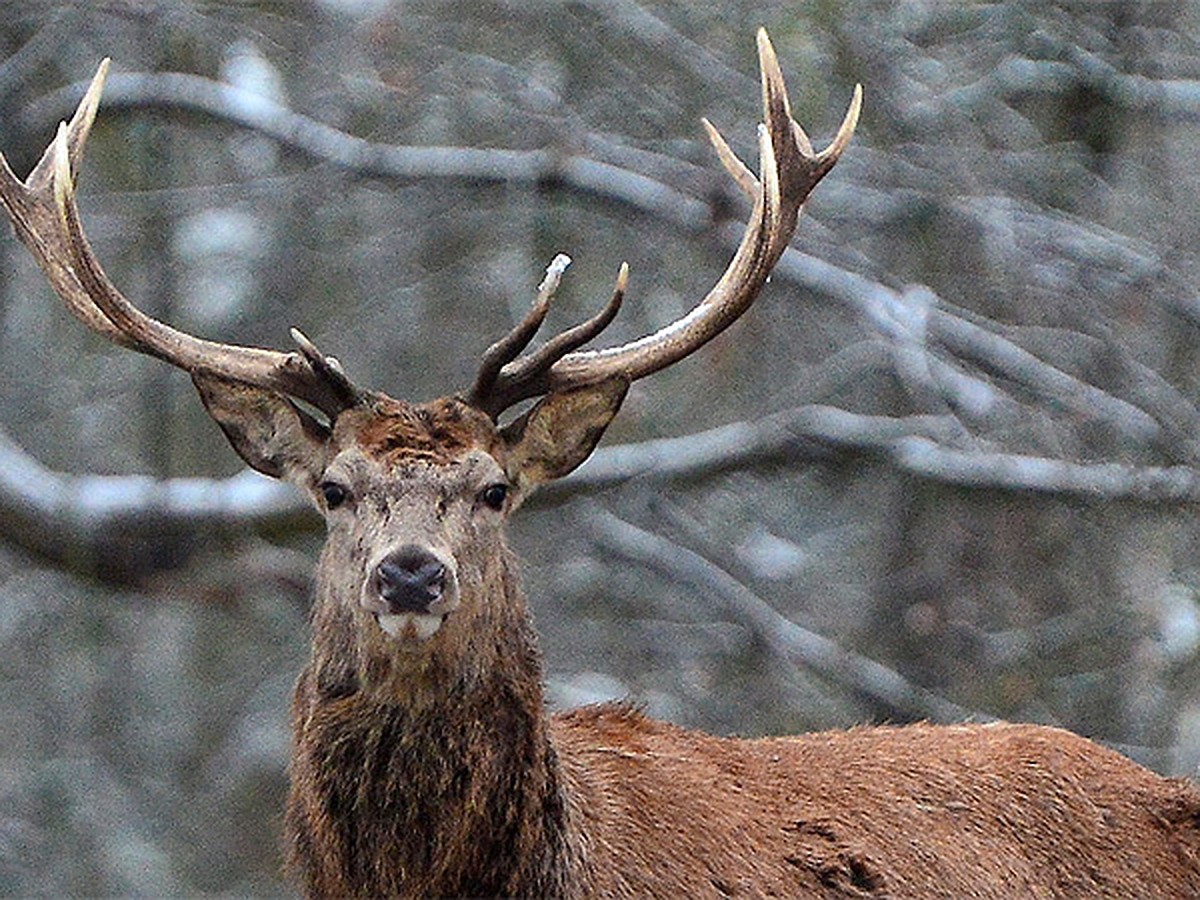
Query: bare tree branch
[[86, 519], [784, 638], [889, 312], [71, 517], [104, 524], [236, 106], [1014, 472], [807, 433], [1174, 98], [657, 36]]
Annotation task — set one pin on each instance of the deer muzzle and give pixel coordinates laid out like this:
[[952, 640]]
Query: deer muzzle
[[412, 589]]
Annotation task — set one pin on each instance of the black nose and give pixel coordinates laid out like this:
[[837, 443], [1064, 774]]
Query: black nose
[[409, 579]]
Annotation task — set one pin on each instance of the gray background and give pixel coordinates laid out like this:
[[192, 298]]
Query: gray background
[[965, 475]]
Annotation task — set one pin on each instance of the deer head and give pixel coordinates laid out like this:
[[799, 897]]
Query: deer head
[[415, 494]]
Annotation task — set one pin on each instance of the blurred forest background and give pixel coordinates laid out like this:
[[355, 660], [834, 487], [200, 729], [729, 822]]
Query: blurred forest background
[[946, 468]]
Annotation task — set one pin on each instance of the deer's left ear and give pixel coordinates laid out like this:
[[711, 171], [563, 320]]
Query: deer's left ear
[[560, 432]]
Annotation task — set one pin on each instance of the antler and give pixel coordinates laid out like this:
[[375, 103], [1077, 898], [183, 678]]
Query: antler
[[790, 170], [45, 216]]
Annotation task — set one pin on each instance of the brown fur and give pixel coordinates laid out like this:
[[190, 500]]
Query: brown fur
[[430, 768], [395, 432], [917, 811]]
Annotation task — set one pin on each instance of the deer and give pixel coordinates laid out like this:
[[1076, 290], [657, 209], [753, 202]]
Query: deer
[[423, 759]]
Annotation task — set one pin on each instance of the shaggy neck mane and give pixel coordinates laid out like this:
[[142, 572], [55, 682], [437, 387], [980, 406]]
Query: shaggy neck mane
[[449, 788]]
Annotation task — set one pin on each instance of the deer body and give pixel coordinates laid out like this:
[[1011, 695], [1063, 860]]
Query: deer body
[[607, 803], [423, 762], [431, 769]]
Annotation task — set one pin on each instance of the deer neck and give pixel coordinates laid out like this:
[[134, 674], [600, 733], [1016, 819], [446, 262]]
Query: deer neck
[[434, 764]]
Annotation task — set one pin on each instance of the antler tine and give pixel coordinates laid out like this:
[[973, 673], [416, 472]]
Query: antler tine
[[517, 379], [741, 173], [45, 216], [790, 169], [509, 347], [330, 373], [573, 338], [77, 131], [35, 218]]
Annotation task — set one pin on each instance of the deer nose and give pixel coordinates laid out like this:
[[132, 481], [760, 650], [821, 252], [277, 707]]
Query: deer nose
[[409, 579]]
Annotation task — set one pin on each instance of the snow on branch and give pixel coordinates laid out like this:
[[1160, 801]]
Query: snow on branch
[[99, 522]]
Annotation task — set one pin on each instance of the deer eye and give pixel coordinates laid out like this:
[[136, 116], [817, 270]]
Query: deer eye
[[335, 495], [494, 496]]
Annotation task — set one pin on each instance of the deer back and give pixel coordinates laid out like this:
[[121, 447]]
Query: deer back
[[996, 810]]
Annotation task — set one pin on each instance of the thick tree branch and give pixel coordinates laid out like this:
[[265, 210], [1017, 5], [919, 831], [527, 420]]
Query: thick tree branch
[[104, 523], [244, 109], [125, 526], [1015, 472]]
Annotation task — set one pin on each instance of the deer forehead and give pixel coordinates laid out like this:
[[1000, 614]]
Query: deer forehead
[[395, 447], [399, 436]]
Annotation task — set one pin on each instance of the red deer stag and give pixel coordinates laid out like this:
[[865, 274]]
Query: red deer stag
[[423, 762]]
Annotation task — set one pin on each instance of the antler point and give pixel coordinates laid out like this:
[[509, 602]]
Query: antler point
[[307, 347], [762, 39], [846, 131], [61, 171], [768, 64], [737, 169], [90, 104], [554, 273]]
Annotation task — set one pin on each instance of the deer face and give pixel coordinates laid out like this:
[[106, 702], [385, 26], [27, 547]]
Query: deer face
[[415, 498]]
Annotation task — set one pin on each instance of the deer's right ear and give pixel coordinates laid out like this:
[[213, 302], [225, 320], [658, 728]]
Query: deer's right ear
[[268, 430]]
